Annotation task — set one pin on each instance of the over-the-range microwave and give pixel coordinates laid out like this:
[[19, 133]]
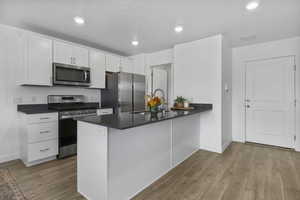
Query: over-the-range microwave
[[71, 75]]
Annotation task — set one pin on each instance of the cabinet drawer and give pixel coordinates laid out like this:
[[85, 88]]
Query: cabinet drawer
[[40, 118], [42, 150], [42, 131]]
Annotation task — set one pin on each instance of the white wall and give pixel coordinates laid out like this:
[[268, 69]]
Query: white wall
[[198, 77], [226, 93], [287, 47], [11, 94]]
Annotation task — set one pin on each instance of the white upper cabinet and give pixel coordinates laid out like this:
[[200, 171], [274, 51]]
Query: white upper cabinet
[[126, 65], [36, 67], [139, 64], [70, 54], [62, 53], [113, 63], [97, 65], [38, 60], [80, 56]]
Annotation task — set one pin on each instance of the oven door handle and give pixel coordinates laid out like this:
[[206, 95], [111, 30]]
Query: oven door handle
[[74, 116]]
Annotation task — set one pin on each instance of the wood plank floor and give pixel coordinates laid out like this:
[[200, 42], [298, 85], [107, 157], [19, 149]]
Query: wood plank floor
[[243, 172]]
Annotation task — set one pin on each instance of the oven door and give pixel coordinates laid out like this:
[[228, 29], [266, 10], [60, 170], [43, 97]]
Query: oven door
[[67, 137], [71, 75]]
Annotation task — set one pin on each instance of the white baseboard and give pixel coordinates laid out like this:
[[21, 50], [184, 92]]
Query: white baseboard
[[225, 145], [6, 158], [238, 140], [207, 148], [29, 164]]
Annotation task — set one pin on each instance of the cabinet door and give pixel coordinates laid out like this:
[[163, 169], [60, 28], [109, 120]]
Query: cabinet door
[[12, 63], [80, 56], [62, 53], [113, 63], [39, 60], [139, 64], [126, 65], [97, 65]]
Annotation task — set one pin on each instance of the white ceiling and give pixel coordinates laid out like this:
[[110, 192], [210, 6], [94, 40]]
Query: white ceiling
[[112, 24]]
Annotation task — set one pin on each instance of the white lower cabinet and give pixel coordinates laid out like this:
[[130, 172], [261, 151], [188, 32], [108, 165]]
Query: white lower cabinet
[[39, 138], [42, 131], [42, 118], [42, 150]]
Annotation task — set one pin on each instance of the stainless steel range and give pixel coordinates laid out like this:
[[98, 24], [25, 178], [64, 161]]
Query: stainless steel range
[[70, 107]]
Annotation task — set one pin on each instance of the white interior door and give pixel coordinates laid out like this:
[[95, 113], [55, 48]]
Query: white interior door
[[270, 109]]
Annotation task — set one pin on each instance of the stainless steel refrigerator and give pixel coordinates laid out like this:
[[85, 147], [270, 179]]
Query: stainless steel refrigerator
[[125, 92]]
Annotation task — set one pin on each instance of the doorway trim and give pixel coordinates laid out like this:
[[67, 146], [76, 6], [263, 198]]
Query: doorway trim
[[243, 110]]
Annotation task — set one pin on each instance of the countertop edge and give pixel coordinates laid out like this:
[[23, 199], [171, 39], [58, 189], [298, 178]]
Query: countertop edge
[[196, 111]]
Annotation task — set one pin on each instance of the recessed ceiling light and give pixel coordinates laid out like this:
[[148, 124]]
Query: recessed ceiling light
[[79, 20], [178, 29], [252, 5], [135, 43]]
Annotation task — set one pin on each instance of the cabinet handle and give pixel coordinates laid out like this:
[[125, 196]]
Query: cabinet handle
[[42, 132], [44, 150], [43, 118], [74, 60], [71, 60]]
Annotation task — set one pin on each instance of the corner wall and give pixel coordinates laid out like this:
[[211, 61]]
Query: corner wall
[[198, 77], [226, 93]]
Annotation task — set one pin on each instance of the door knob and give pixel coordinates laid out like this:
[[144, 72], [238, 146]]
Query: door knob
[[247, 106]]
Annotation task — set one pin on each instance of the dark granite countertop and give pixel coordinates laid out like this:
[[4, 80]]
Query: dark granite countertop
[[40, 108], [127, 120], [34, 109]]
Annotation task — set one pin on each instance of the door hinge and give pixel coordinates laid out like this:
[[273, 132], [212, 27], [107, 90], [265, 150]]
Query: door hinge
[[295, 67]]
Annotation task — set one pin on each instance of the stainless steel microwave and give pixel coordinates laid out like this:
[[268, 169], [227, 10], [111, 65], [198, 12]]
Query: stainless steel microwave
[[71, 75]]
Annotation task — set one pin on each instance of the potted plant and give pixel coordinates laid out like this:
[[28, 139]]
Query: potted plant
[[179, 102]]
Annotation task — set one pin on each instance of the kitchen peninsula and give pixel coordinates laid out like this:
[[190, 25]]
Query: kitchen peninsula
[[120, 155]]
